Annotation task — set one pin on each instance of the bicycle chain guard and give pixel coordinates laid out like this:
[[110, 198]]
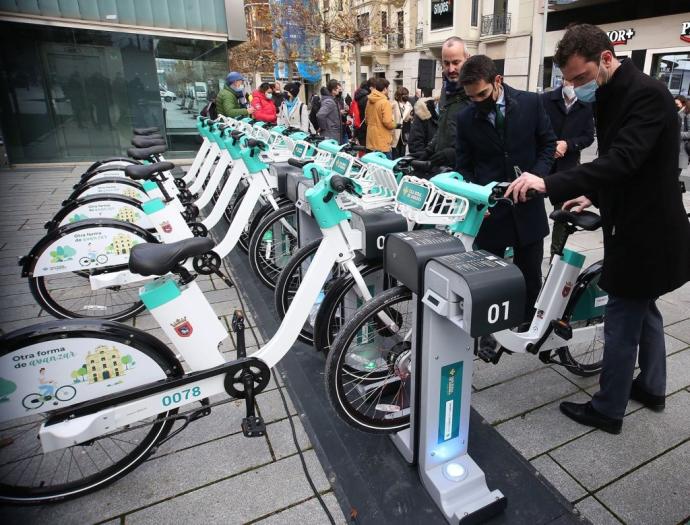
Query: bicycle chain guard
[[207, 263], [198, 229]]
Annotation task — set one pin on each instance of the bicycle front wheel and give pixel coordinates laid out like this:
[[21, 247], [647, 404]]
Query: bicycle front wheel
[[28, 475], [368, 370], [272, 243]]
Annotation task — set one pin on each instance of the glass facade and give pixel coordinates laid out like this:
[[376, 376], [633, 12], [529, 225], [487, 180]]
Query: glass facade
[[673, 69], [75, 94]]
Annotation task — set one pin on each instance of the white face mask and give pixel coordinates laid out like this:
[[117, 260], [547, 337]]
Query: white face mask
[[569, 92]]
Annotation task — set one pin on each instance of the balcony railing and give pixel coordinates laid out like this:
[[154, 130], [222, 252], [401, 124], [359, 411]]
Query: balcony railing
[[496, 24], [396, 41], [419, 37]]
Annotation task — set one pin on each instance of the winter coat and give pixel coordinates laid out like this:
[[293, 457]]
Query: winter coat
[[362, 97], [424, 126], [328, 116], [684, 156], [634, 182], [380, 123], [575, 126], [264, 108], [402, 112], [228, 105], [485, 155], [449, 107], [297, 118]]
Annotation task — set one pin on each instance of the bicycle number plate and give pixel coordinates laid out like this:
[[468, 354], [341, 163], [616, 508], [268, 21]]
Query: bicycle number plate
[[180, 397], [298, 151], [341, 165], [412, 195]]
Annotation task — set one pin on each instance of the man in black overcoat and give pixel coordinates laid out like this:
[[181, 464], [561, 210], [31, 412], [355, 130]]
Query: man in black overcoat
[[506, 131], [634, 182], [573, 124]]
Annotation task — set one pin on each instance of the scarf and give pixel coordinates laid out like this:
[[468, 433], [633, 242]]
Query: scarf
[[290, 104]]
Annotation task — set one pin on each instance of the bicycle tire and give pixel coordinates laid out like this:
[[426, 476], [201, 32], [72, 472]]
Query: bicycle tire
[[329, 320], [268, 268], [102, 303], [286, 285], [340, 372], [48, 487]]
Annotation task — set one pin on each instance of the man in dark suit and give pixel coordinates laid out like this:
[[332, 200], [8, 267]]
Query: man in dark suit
[[504, 132], [573, 123], [634, 182]]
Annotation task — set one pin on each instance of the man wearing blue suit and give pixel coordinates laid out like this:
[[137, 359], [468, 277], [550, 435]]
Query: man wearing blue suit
[[504, 132]]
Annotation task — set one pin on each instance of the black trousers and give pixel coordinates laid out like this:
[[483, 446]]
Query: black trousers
[[528, 258]]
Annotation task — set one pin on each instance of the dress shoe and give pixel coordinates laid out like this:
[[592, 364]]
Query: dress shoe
[[656, 403], [585, 414]]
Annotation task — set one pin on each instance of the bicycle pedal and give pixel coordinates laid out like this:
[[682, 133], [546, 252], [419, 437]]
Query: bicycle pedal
[[490, 355], [253, 426], [562, 329]]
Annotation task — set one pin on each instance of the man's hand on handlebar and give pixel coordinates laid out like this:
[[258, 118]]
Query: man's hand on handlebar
[[519, 188], [577, 205]]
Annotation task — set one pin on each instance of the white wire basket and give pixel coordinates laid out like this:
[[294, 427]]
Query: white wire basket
[[420, 201], [379, 187]]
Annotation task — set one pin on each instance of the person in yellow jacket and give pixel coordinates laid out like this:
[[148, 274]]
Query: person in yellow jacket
[[379, 117]]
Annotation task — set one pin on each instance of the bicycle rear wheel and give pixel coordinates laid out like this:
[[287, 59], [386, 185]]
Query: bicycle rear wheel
[[368, 370], [70, 296], [28, 475], [272, 243]]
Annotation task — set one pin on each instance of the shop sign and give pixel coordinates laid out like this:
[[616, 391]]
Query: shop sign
[[685, 32], [620, 37], [441, 14], [379, 68]]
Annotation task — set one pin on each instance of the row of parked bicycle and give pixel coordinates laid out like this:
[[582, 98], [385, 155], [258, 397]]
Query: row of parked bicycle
[[321, 223]]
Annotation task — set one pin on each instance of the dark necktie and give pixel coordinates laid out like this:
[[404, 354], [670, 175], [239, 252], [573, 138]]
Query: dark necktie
[[500, 121]]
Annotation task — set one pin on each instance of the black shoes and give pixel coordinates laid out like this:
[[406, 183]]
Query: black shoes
[[656, 403], [585, 414]]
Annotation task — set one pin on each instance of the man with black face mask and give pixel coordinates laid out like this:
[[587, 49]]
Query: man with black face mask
[[506, 131]]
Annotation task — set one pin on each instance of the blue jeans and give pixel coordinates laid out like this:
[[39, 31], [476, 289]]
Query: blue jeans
[[630, 323]]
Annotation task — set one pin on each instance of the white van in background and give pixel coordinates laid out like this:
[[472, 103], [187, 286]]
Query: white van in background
[[200, 92]]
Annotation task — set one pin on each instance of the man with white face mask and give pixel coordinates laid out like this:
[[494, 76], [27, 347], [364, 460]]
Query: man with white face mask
[[573, 124], [634, 183]]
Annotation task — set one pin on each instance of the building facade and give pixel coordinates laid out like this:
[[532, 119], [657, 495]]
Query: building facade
[[77, 76]]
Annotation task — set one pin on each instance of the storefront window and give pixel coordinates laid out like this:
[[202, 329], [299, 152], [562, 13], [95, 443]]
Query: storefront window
[[190, 74], [673, 69]]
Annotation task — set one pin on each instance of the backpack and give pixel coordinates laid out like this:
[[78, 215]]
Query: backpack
[[355, 114], [315, 106]]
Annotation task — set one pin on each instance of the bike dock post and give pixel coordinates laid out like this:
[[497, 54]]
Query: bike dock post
[[459, 296]]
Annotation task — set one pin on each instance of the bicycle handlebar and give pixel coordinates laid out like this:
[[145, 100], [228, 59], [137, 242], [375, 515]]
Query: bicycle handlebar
[[421, 165]]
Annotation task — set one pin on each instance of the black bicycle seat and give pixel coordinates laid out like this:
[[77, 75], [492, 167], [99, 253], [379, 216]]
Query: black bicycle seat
[[585, 220], [299, 163], [146, 141], [159, 259], [145, 153], [146, 131], [147, 171]]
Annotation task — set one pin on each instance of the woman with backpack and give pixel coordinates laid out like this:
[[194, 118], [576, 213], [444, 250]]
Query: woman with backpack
[[293, 112]]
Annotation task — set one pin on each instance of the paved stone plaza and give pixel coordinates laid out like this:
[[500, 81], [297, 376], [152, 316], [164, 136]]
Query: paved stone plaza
[[212, 474]]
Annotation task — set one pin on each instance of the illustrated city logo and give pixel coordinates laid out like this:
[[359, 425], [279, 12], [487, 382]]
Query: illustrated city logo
[[166, 226], [182, 327], [566, 289]]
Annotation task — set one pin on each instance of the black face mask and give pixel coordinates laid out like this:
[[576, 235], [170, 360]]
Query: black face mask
[[487, 105]]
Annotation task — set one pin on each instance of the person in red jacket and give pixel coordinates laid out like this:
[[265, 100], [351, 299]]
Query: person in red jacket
[[264, 108]]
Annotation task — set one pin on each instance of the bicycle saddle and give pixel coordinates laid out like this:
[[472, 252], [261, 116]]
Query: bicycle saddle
[[159, 259], [141, 141], [147, 171], [145, 153], [299, 163], [146, 131], [585, 220]]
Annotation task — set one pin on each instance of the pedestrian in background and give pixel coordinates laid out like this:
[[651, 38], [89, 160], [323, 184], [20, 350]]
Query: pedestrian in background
[[278, 95], [424, 126], [573, 123], [379, 116], [329, 116], [634, 182], [504, 131], [314, 106], [231, 101], [402, 115], [684, 121], [361, 99], [264, 109], [293, 112], [680, 101]]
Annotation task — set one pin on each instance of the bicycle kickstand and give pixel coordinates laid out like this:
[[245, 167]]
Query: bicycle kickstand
[[252, 425]]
